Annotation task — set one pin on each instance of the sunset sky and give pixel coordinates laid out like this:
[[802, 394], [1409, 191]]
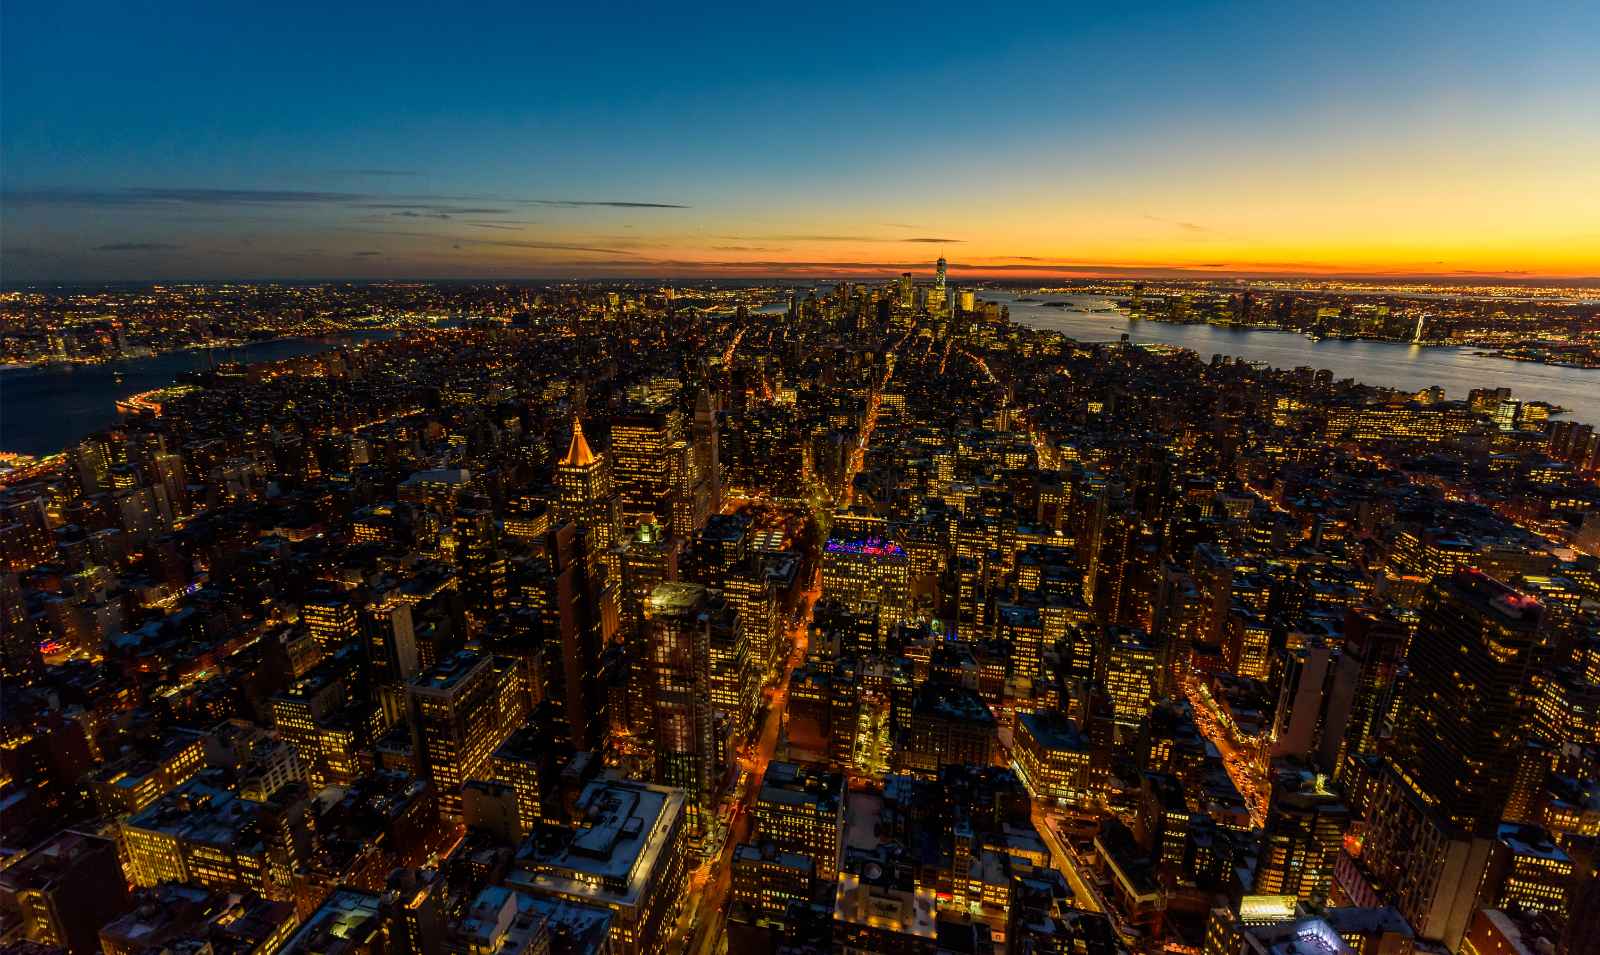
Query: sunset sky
[[208, 141]]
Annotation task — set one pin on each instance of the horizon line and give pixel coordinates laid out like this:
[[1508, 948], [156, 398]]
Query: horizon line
[[1157, 274]]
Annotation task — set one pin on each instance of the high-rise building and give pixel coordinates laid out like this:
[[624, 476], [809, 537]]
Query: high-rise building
[[629, 854], [766, 880], [1301, 839], [1056, 761], [461, 709], [576, 603], [1314, 704], [530, 762], [333, 621], [1375, 641], [481, 562], [801, 809], [349, 921], [642, 463], [867, 574], [939, 295], [649, 560], [1438, 796], [1132, 671], [64, 890], [1528, 871], [204, 834], [1462, 716], [173, 917], [587, 495], [678, 617]]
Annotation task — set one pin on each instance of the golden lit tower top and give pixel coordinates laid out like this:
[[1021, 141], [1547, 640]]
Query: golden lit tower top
[[578, 453], [587, 497]]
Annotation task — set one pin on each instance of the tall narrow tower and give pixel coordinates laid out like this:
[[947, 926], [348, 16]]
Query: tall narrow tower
[[678, 617], [587, 496], [707, 457], [939, 295]]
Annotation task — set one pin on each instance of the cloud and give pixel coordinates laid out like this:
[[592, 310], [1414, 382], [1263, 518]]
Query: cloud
[[504, 243], [615, 203], [196, 195], [743, 248], [1181, 224], [201, 196], [377, 172], [433, 207], [366, 252], [136, 247], [811, 237]]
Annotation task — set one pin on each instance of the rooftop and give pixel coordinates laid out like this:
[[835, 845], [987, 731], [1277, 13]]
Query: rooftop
[[347, 921], [197, 812], [877, 547], [612, 855]]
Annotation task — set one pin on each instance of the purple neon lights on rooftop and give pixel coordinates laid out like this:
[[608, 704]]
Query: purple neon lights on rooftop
[[866, 547]]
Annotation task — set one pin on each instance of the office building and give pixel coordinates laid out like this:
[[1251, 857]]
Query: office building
[[462, 708], [63, 890], [800, 809], [587, 497], [628, 852], [1301, 840]]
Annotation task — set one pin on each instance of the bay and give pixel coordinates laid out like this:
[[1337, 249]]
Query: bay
[[1457, 370], [45, 409]]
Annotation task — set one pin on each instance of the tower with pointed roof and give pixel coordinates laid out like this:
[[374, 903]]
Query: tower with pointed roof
[[587, 497]]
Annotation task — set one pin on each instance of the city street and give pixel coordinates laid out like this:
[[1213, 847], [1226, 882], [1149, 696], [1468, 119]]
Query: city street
[[705, 913]]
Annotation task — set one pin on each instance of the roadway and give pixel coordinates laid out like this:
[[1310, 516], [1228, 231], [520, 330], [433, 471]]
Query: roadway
[[1242, 766], [704, 918], [702, 923]]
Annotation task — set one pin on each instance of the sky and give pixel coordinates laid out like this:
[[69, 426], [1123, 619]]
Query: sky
[[169, 141]]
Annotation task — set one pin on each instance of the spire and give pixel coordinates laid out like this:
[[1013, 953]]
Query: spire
[[578, 453]]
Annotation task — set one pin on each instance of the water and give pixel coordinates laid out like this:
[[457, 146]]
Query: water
[[42, 410], [1390, 364]]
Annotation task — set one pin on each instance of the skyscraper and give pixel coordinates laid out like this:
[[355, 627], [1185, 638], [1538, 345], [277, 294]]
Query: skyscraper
[[707, 458], [1300, 842], [461, 709], [641, 446], [867, 574], [1434, 811], [939, 295], [332, 621], [482, 565], [587, 497], [577, 607], [1461, 718], [679, 619]]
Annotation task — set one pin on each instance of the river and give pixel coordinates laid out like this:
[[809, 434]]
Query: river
[[42, 410], [1391, 364]]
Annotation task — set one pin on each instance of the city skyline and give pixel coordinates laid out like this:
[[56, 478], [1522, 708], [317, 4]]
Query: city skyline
[[730, 480], [1437, 141]]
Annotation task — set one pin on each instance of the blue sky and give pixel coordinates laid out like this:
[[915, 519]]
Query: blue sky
[[226, 140]]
